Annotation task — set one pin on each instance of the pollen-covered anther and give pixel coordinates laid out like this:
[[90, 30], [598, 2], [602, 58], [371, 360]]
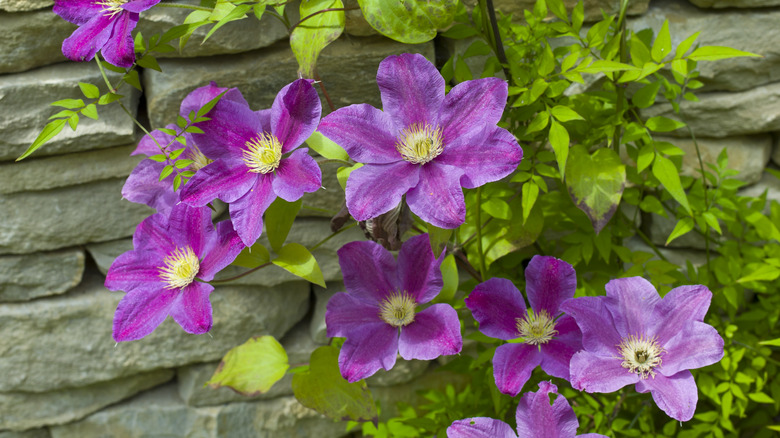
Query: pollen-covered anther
[[199, 161], [181, 267], [263, 153], [640, 355], [398, 309], [420, 143], [112, 7], [536, 328]]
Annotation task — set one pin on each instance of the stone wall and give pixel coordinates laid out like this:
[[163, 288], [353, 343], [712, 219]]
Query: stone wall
[[62, 219]]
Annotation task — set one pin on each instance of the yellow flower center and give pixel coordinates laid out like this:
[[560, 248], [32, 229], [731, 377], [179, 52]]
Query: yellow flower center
[[536, 328], [398, 309], [420, 143], [112, 7], [181, 267], [640, 355], [199, 161], [263, 153]]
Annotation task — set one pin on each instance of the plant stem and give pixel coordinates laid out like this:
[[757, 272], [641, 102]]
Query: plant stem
[[243, 274], [292, 28], [321, 242], [498, 45], [616, 136], [324, 92]]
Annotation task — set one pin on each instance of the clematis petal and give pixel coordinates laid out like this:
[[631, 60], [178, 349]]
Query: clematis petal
[[366, 133], [437, 198], [483, 155], [143, 186], [140, 312], [696, 345], [369, 270], [549, 282], [365, 352], [676, 395], [513, 365], [295, 114], [592, 373], [135, 270], [152, 235], [377, 188], [202, 95], [265, 118], [247, 211], [435, 332], [480, 427], [419, 270], [232, 125], [225, 179], [557, 352], [84, 42], [225, 248], [78, 11], [148, 147], [192, 308], [139, 5], [296, 175], [680, 305], [472, 103], [347, 315], [119, 49], [189, 226], [412, 89], [631, 303], [537, 418], [595, 321], [496, 304]]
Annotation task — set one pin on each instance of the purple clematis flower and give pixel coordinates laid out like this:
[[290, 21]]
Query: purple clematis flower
[[381, 301], [425, 145], [536, 418], [103, 24], [500, 310], [632, 336], [255, 156], [160, 274]]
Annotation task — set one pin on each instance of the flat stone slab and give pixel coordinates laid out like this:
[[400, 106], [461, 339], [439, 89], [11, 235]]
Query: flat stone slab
[[24, 5], [26, 277], [735, 3], [31, 39]]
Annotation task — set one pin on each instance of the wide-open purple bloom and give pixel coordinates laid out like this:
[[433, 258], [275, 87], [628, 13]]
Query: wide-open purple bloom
[[103, 24], [632, 336], [381, 301], [536, 418], [161, 273], [255, 156], [501, 312], [424, 145]]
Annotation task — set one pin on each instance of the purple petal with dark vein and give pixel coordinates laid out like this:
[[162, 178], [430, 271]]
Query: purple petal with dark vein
[[192, 308], [232, 125], [225, 179], [264, 115], [295, 114], [77, 11], [483, 155], [678, 307], [696, 345], [201, 96], [437, 198], [595, 321], [632, 305], [366, 133], [247, 212], [190, 227], [135, 270], [143, 186], [412, 89], [119, 49], [139, 5], [369, 271], [549, 282], [557, 352], [224, 249], [347, 315], [496, 304], [377, 188], [141, 311], [513, 365], [85, 41], [152, 235], [472, 103], [147, 145], [419, 270], [536, 418], [435, 332], [297, 174], [592, 373], [676, 395], [365, 352], [480, 427]]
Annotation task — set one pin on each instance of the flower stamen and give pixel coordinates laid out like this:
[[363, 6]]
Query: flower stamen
[[181, 267], [112, 7], [199, 161], [420, 143], [640, 355], [536, 328], [263, 153], [398, 309]]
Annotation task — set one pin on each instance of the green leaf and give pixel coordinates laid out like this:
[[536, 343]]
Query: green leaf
[[322, 388], [539, 122], [311, 36], [663, 124], [713, 53], [760, 397], [278, 220], [645, 96], [47, 133], [530, 192], [149, 61], [667, 173], [108, 98], [90, 111], [326, 147], [663, 43], [565, 114], [73, 121], [596, 183], [132, 79], [773, 342], [252, 257], [259, 9], [167, 170], [578, 16], [498, 208], [449, 274], [604, 67], [69, 103], [342, 174], [410, 21], [181, 164], [559, 139], [251, 368], [202, 111], [558, 9], [238, 13], [683, 226], [297, 260], [760, 272], [640, 54], [685, 45], [438, 238], [90, 91], [645, 157], [712, 221]]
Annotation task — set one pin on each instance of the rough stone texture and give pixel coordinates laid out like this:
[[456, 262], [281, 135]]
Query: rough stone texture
[[593, 8], [403, 371], [94, 212], [735, 3], [32, 39], [24, 5], [330, 197], [750, 30], [354, 22], [66, 170], [35, 433], [37, 275], [24, 110], [722, 114], [69, 328], [104, 253], [317, 328], [25, 410], [347, 68]]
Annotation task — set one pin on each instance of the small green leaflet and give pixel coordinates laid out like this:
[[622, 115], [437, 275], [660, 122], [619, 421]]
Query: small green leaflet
[[315, 33], [251, 368], [667, 173], [49, 131], [297, 260], [278, 219], [713, 53], [683, 226], [326, 147], [596, 183]]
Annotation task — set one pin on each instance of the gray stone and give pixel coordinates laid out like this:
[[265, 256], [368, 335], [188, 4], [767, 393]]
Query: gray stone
[[750, 30], [327, 201], [69, 328], [25, 410], [317, 327], [403, 371], [104, 253], [34, 433], [32, 39], [24, 5], [347, 68], [735, 3], [24, 110], [66, 170], [52, 219], [723, 114], [32, 276]]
